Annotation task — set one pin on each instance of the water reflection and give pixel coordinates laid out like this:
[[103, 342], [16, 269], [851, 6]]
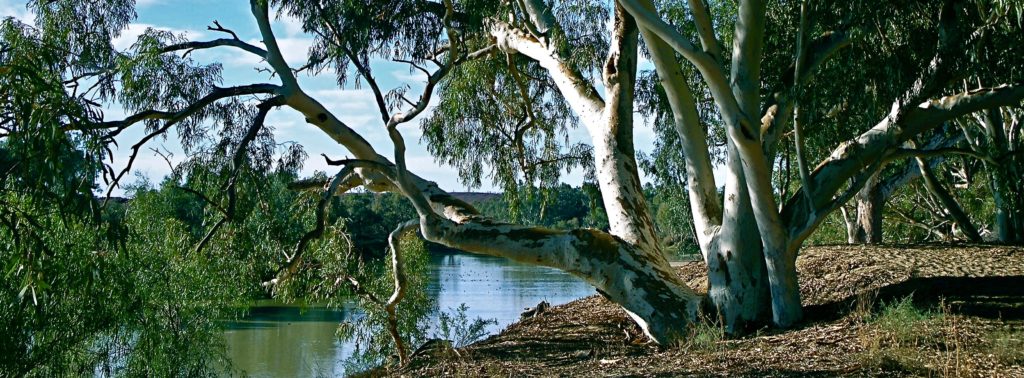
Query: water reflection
[[277, 340], [496, 288]]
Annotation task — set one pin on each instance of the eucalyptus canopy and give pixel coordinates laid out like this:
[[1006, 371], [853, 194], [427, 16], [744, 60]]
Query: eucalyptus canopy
[[738, 82]]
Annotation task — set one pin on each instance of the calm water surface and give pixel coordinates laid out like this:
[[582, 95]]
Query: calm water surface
[[283, 341]]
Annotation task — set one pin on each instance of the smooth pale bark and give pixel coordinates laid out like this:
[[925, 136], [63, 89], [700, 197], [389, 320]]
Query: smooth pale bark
[[869, 213], [738, 281], [780, 257], [856, 160], [700, 180], [737, 99], [632, 273], [736, 270], [608, 124], [615, 160], [640, 280], [627, 267], [648, 290]]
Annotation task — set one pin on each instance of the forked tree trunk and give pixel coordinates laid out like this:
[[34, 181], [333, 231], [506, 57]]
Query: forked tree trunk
[[629, 268], [950, 204], [749, 244], [1003, 141], [737, 274], [727, 235]]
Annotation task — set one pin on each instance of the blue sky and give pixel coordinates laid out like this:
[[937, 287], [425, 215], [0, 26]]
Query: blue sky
[[355, 107]]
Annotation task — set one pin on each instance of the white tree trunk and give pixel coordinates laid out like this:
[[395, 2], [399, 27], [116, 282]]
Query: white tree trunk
[[737, 284], [737, 272]]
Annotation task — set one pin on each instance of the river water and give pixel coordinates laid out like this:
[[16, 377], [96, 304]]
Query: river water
[[286, 341]]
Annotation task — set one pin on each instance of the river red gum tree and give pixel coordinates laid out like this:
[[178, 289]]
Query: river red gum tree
[[749, 241]]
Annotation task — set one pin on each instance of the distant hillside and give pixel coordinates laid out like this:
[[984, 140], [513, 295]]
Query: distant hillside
[[472, 198], [475, 197]]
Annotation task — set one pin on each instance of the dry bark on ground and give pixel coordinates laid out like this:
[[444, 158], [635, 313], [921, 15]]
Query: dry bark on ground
[[593, 337]]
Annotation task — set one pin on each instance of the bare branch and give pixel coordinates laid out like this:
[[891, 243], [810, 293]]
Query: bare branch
[[798, 141], [291, 264], [203, 197], [221, 29], [414, 65], [229, 42], [173, 118], [365, 72], [398, 273], [706, 30], [229, 186]]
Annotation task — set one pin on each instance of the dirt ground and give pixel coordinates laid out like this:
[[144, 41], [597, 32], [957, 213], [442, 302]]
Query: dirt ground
[[966, 319]]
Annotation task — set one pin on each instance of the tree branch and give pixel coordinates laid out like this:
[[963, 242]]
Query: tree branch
[[228, 42], [173, 118], [706, 30], [273, 53], [347, 176], [577, 90], [853, 156], [398, 273], [778, 107]]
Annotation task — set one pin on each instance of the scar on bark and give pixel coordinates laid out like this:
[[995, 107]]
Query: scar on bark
[[746, 132], [724, 268]]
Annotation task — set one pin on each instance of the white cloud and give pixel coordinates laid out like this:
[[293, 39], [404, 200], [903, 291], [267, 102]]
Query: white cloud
[[147, 3], [16, 9], [413, 76], [295, 50], [347, 100], [292, 26]]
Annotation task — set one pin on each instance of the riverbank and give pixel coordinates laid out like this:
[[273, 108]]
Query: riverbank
[[966, 318]]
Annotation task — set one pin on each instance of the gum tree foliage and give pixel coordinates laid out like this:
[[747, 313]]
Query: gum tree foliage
[[891, 56], [94, 285], [533, 57]]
